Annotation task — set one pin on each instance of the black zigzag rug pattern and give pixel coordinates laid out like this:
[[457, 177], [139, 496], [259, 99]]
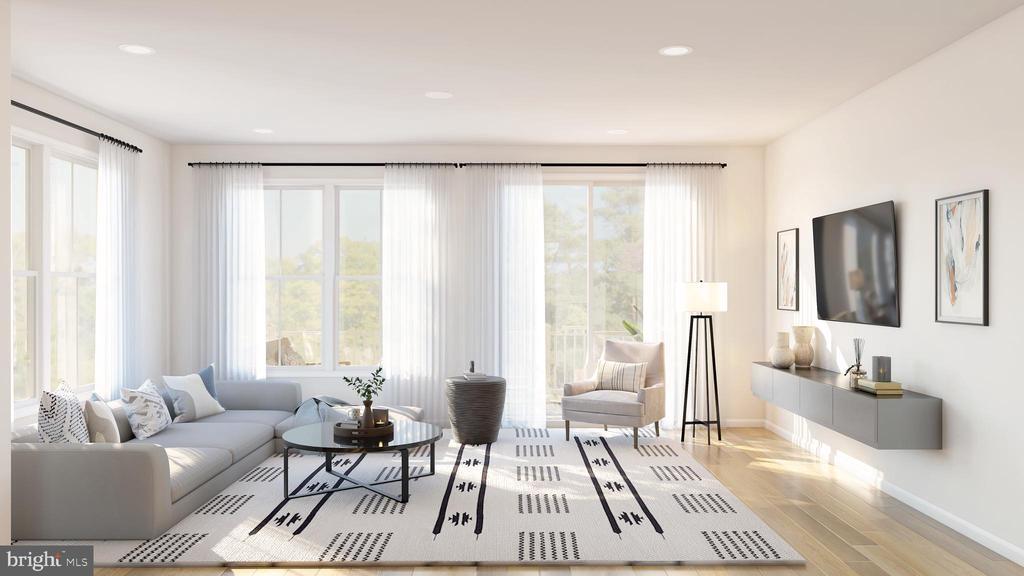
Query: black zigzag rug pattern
[[530, 498]]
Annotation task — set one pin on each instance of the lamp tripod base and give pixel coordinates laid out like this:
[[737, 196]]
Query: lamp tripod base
[[701, 327]]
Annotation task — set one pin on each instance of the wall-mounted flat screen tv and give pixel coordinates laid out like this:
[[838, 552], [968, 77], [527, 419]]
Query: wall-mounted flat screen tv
[[856, 274]]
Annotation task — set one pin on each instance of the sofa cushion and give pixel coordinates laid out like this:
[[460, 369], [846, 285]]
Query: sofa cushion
[[192, 400], [605, 402], [100, 419], [238, 438], [61, 418], [268, 417], [193, 467], [147, 412]]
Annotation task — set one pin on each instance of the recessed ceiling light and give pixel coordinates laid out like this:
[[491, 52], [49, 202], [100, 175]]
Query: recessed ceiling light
[[137, 49], [263, 130], [438, 95], [675, 51], [618, 131]]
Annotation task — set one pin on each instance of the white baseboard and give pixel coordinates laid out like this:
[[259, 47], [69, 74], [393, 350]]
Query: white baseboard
[[743, 423], [979, 535]]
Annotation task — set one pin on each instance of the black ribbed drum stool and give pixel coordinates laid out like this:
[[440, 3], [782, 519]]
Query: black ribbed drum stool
[[475, 408]]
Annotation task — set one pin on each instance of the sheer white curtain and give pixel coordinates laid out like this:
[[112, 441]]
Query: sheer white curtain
[[463, 280], [681, 215], [115, 287], [515, 264], [416, 304], [231, 268]]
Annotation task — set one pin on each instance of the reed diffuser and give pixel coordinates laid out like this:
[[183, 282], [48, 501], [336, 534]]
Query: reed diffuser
[[856, 370]]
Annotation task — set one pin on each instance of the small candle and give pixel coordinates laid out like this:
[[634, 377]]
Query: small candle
[[881, 368]]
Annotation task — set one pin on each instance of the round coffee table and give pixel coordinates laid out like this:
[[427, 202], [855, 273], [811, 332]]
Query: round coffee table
[[320, 438]]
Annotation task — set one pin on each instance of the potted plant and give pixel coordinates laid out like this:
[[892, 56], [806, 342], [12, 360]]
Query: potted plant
[[367, 390]]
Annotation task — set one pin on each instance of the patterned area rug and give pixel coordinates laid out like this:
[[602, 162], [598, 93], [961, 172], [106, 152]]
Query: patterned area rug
[[529, 498]]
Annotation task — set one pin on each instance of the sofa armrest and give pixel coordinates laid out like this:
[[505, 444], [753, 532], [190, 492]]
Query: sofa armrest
[[653, 399], [89, 491], [259, 395], [577, 388]]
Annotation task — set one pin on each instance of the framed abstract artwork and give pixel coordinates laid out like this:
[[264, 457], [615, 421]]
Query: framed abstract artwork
[[961, 259], [787, 261]]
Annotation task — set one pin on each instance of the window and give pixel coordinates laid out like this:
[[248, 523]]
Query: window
[[73, 273], [25, 277], [54, 275], [323, 276], [593, 236], [359, 276], [295, 276]]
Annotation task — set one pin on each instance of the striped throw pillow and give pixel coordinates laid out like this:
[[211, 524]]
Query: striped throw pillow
[[621, 376]]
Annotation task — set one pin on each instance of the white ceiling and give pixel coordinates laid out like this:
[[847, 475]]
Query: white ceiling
[[522, 71]]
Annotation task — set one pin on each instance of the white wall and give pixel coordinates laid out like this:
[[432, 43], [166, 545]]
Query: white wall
[[152, 189], [952, 123], [6, 362], [739, 343]]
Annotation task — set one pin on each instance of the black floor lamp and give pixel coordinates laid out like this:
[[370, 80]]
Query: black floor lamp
[[700, 299]]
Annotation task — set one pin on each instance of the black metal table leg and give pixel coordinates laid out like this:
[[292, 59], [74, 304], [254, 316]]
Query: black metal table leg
[[286, 472], [405, 475], [432, 458]]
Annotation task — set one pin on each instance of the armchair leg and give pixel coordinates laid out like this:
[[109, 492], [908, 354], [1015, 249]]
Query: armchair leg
[[636, 434], [566, 430], [657, 428]]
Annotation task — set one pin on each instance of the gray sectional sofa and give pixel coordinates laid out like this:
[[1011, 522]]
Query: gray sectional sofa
[[139, 488]]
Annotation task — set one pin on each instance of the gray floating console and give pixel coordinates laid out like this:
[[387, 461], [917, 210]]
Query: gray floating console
[[910, 422]]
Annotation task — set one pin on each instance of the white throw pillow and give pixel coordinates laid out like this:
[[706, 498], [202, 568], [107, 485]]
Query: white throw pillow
[[101, 421], [61, 419], [147, 413], [192, 400], [621, 376]]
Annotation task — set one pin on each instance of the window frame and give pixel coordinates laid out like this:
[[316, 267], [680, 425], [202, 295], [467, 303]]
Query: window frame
[[39, 222], [329, 275]]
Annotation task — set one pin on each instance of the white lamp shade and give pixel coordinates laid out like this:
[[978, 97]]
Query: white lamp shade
[[704, 297]]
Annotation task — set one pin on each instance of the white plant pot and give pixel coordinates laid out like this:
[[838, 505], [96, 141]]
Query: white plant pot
[[803, 352], [780, 355]]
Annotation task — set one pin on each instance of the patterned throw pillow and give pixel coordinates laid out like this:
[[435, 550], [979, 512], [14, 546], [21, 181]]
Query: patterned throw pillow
[[61, 419], [620, 376], [192, 400], [101, 421], [146, 410]]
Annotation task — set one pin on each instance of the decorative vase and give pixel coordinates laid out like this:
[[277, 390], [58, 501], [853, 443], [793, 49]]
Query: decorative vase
[[780, 355], [803, 352], [367, 414]]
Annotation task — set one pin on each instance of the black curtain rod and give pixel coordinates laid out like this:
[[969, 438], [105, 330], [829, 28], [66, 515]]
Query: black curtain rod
[[461, 164], [78, 127]]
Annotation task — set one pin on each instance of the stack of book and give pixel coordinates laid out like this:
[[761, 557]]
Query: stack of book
[[888, 389]]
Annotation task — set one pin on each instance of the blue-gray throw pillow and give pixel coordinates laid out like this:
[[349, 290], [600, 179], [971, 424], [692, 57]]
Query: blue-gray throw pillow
[[207, 375]]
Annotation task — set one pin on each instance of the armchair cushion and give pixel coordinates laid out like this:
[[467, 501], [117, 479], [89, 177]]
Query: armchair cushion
[[622, 376], [605, 402]]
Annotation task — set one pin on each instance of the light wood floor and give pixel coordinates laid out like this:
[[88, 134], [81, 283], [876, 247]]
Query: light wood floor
[[838, 523]]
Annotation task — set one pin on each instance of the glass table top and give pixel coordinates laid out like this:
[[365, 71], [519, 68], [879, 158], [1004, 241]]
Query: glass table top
[[320, 438]]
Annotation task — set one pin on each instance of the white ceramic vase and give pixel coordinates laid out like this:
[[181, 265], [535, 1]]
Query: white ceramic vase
[[803, 352], [780, 355]]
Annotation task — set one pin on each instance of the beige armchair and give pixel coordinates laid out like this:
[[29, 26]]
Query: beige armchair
[[583, 402]]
